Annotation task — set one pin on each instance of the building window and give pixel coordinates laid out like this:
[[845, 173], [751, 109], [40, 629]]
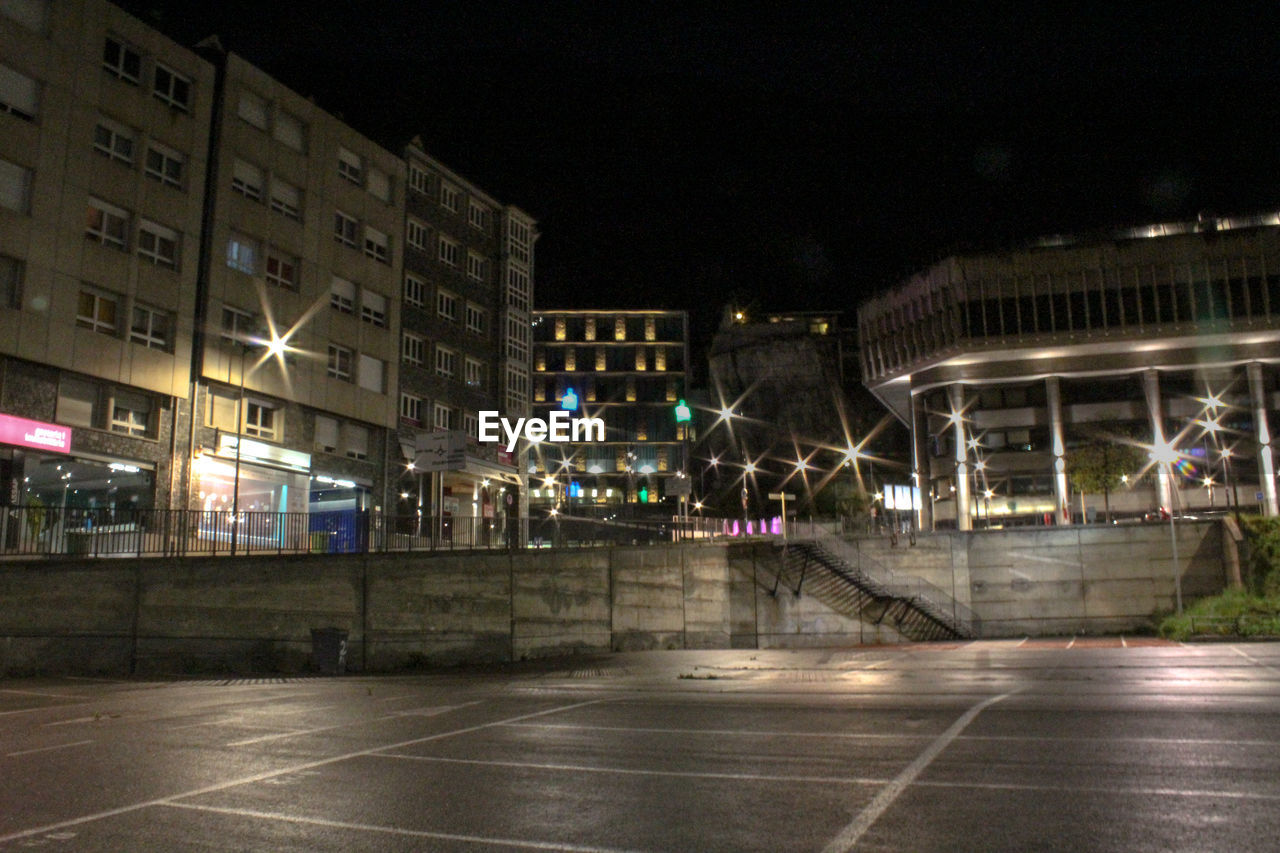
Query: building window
[[326, 437], [620, 328], [475, 318], [282, 269], [518, 289], [478, 215], [19, 94], [419, 180], [631, 389], [447, 305], [473, 373], [108, 225], [77, 402], [659, 358], [349, 166], [172, 88], [560, 329], [650, 329], [411, 409], [286, 199], [376, 245], [415, 290], [443, 417], [253, 110], [237, 325], [242, 253], [113, 140], [15, 187], [355, 441], [589, 329], [10, 282], [520, 240], [378, 185], [130, 413], [96, 310], [372, 374], [449, 197], [151, 327], [641, 359], [158, 244], [246, 179], [344, 229], [413, 349], [477, 267], [446, 362], [373, 308], [471, 425], [164, 165], [540, 360], [260, 420], [122, 60], [601, 360], [449, 251], [416, 235], [570, 359], [290, 130], [339, 363], [342, 295]]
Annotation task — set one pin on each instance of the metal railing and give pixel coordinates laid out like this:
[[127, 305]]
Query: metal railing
[[73, 531], [923, 594]]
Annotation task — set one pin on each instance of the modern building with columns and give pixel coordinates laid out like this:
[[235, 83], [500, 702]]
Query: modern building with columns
[[1165, 337]]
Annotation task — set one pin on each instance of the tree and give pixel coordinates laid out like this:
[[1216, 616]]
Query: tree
[[1099, 464]]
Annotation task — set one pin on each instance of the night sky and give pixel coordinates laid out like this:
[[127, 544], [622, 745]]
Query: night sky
[[678, 156]]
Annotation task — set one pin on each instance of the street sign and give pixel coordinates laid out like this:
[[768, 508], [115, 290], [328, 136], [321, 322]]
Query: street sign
[[781, 496], [440, 451]]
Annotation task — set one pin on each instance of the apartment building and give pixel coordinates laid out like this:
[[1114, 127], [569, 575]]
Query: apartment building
[[104, 126], [464, 341], [304, 258], [629, 369]]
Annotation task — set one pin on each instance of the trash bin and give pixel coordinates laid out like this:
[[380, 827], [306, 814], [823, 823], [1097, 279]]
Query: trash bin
[[329, 650]]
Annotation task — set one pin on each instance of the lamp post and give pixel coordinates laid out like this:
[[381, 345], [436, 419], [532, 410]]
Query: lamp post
[[276, 347], [683, 417], [1165, 455]]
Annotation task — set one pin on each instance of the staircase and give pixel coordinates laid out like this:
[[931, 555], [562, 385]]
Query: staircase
[[916, 609]]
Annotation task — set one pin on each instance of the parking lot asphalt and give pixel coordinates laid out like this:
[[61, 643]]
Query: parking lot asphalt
[[1074, 744]]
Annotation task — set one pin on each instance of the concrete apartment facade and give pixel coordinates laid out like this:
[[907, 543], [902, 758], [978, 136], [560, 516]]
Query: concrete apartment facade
[[464, 344], [1164, 337], [104, 127], [629, 368], [202, 280], [304, 248]]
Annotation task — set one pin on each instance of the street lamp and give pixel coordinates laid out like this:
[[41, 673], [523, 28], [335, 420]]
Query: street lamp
[[1164, 454], [275, 347]]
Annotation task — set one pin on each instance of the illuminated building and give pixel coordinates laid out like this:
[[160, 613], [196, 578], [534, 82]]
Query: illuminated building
[[1001, 363]]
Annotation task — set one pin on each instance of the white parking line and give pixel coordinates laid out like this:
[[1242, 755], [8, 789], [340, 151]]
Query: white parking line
[[871, 813], [633, 771], [293, 768], [48, 748], [1254, 660], [1137, 792], [38, 693], [392, 830]]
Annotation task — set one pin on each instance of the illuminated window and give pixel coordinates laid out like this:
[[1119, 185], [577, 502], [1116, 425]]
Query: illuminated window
[[650, 329], [660, 358], [96, 310], [589, 334], [570, 359], [620, 329], [601, 360], [631, 389], [559, 328], [641, 359]]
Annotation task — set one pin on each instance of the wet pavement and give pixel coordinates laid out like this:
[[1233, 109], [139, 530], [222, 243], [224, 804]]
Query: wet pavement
[[1076, 744]]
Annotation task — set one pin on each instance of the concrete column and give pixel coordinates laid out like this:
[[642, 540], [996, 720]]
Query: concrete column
[[1058, 448], [1262, 432], [1151, 387], [920, 462], [955, 398]]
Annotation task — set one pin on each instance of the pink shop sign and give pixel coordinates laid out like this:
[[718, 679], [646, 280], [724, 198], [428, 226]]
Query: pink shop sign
[[34, 434]]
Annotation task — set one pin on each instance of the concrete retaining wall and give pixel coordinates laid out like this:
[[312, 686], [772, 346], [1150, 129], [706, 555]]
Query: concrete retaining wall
[[257, 613]]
